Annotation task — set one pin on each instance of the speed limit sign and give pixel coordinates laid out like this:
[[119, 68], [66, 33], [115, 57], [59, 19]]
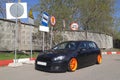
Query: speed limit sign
[[74, 26]]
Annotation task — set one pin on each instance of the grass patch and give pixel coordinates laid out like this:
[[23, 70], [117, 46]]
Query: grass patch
[[8, 56]]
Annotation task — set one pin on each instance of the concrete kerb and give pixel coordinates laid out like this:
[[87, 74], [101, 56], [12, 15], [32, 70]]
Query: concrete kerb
[[109, 53], [20, 62], [15, 64], [29, 62]]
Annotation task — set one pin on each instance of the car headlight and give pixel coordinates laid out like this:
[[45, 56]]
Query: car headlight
[[59, 58]]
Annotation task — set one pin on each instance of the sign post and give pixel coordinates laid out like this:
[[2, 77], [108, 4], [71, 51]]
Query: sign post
[[44, 26], [64, 25], [51, 38], [74, 26], [16, 11], [53, 22], [31, 21], [44, 22]]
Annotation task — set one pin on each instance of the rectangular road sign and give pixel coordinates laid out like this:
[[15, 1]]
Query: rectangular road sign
[[44, 28], [45, 19], [44, 22]]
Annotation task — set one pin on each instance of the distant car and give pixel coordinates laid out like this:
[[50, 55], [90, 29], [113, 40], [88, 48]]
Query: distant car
[[69, 56]]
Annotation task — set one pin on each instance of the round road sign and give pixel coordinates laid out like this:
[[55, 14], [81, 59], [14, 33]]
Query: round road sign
[[74, 26], [52, 20], [16, 10]]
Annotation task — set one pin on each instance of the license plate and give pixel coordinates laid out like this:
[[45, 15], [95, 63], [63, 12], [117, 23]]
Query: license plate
[[42, 63]]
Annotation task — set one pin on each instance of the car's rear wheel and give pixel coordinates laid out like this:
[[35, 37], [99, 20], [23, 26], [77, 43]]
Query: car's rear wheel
[[73, 64], [99, 59]]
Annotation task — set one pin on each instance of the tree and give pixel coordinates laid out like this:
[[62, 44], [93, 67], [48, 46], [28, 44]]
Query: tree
[[92, 15], [63, 11], [96, 15]]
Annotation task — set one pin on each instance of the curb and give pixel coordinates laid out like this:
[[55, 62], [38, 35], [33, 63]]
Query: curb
[[7, 62], [109, 53]]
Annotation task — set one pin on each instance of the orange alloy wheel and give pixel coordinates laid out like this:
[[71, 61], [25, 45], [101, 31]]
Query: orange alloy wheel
[[73, 64], [99, 59]]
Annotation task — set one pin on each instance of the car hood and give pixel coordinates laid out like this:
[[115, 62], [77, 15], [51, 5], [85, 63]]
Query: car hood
[[54, 53]]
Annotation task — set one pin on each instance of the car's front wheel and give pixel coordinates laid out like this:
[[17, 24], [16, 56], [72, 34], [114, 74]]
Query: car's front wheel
[[99, 59], [73, 64]]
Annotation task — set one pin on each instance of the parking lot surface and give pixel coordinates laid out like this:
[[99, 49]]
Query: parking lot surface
[[108, 70]]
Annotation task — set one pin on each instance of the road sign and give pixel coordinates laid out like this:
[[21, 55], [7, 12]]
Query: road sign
[[52, 20], [74, 26], [45, 19], [16, 10], [44, 23], [44, 28]]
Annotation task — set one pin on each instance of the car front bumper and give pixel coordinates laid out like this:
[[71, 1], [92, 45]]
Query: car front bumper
[[59, 66]]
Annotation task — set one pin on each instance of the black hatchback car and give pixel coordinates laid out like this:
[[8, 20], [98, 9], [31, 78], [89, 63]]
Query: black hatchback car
[[69, 56]]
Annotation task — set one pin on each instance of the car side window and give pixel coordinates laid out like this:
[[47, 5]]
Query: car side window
[[83, 45], [92, 45], [71, 45], [61, 46]]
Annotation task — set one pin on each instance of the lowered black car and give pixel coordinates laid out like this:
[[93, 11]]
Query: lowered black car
[[69, 56]]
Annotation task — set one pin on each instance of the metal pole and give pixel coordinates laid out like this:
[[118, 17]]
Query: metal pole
[[16, 37], [31, 40], [63, 35], [19, 32], [51, 37], [16, 30], [43, 40], [64, 25], [86, 32]]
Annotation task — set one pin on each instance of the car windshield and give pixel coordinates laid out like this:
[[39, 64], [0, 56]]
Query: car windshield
[[66, 45]]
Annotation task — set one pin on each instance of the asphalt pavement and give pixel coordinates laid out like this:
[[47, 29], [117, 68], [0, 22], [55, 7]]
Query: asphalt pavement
[[108, 70]]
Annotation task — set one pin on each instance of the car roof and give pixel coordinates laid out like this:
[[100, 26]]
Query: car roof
[[80, 41]]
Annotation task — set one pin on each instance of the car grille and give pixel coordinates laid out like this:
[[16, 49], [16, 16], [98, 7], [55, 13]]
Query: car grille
[[45, 59]]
